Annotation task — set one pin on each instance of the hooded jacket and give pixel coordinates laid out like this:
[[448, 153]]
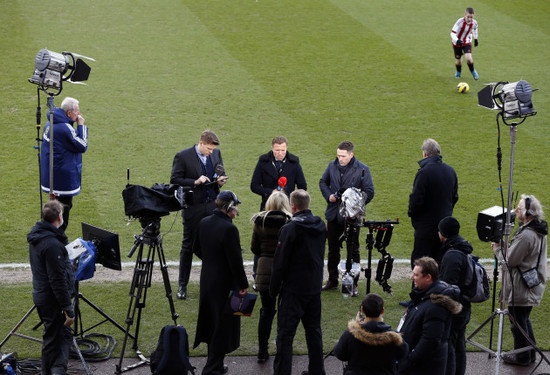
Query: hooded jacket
[[426, 325], [52, 272], [370, 348], [299, 258], [454, 265], [527, 243], [264, 243], [68, 146]]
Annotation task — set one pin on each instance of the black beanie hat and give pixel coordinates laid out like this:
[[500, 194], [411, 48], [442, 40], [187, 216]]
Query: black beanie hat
[[449, 227]]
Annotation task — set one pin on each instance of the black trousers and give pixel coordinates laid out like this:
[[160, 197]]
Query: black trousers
[[267, 313], [334, 232], [191, 217], [521, 315], [456, 359], [292, 309], [429, 246], [56, 340]]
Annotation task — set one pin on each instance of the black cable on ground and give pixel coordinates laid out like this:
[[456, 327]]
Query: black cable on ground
[[92, 350]]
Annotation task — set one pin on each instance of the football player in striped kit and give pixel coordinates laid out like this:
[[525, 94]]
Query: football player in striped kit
[[464, 30]]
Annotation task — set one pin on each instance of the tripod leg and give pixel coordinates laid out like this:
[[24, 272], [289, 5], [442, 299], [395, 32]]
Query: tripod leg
[[14, 329], [166, 280]]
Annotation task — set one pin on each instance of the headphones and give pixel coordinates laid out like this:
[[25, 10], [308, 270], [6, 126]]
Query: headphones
[[231, 205], [527, 201]]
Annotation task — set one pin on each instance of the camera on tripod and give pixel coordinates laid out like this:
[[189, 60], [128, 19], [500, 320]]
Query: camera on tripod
[[159, 200]]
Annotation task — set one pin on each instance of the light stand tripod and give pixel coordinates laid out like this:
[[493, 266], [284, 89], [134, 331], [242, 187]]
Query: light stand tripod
[[141, 281], [501, 312]]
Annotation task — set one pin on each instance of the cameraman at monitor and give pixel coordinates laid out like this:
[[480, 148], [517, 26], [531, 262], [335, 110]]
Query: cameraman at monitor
[[200, 168], [69, 145], [52, 283], [342, 173], [527, 251]]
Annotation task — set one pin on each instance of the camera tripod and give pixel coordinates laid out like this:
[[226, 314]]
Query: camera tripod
[[141, 281]]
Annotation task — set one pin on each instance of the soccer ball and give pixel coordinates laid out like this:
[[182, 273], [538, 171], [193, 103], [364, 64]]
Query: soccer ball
[[463, 87]]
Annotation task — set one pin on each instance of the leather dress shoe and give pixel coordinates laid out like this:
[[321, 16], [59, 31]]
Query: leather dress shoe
[[330, 285], [182, 292], [263, 356], [512, 359]]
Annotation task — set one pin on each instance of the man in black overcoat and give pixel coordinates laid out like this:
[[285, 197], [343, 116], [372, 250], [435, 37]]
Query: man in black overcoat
[[218, 245], [200, 168], [433, 197], [272, 166]]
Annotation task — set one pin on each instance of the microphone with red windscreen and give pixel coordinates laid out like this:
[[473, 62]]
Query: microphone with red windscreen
[[282, 183]]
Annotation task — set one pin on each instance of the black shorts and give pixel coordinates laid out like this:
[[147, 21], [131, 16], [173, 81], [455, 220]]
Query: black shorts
[[461, 50]]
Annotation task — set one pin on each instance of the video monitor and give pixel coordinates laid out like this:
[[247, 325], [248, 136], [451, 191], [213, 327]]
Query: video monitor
[[108, 249]]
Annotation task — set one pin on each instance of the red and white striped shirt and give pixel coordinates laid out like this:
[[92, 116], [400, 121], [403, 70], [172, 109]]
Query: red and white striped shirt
[[461, 30]]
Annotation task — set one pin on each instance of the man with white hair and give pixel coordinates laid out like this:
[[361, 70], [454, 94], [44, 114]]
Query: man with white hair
[[527, 252], [69, 143]]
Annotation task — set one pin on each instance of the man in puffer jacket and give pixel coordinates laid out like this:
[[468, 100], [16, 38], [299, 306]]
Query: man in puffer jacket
[[369, 345], [426, 323]]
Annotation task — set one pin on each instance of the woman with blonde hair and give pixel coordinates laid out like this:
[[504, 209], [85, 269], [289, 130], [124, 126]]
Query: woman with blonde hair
[[264, 242]]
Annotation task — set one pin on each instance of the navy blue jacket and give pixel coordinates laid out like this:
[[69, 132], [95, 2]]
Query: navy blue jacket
[[68, 146], [52, 272], [356, 174], [299, 258], [186, 168], [266, 176]]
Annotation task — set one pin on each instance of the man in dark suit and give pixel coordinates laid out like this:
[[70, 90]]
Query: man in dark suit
[[200, 168], [219, 247], [433, 197]]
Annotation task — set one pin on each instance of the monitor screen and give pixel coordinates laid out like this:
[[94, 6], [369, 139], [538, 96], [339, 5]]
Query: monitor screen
[[108, 249]]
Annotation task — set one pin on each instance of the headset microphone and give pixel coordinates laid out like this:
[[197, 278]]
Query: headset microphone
[[282, 183]]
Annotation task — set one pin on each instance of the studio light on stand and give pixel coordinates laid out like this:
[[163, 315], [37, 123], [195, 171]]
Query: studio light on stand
[[50, 70], [514, 105]]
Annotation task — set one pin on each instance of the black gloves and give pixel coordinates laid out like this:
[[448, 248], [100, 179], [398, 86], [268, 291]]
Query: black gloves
[[476, 43], [459, 43]]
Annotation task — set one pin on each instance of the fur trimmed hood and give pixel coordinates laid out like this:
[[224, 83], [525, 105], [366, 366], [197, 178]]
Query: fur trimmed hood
[[374, 333], [447, 302]]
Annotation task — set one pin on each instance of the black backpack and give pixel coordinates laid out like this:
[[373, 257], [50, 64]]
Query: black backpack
[[171, 357], [476, 283]]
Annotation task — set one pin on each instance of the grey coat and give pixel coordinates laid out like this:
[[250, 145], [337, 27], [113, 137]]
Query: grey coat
[[523, 253]]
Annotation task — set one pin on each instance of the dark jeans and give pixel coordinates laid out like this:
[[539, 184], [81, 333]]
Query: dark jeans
[[521, 315], [334, 232], [267, 313], [67, 202], [293, 309], [456, 359], [191, 217], [427, 247], [57, 340]]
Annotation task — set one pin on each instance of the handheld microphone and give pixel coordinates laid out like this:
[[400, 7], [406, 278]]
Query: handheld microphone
[[218, 171], [281, 183]]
